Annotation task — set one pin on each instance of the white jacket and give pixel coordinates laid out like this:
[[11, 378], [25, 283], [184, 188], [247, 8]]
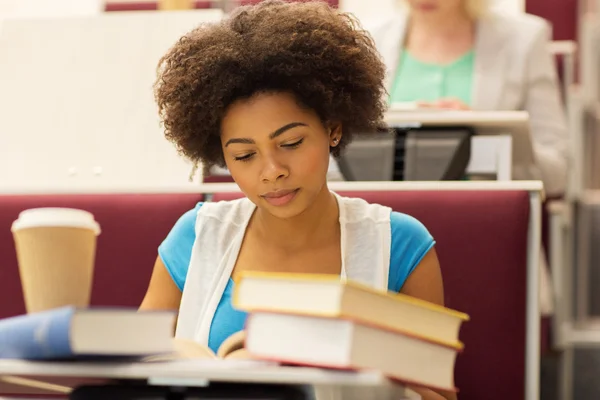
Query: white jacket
[[220, 229], [514, 70]]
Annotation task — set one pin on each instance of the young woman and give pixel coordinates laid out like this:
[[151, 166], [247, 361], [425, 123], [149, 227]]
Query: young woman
[[459, 54], [270, 92]]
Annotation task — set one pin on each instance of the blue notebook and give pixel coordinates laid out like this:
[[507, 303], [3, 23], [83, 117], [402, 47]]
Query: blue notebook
[[71, 332]]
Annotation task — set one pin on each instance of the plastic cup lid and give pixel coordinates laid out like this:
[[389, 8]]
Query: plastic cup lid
[[56, 217]]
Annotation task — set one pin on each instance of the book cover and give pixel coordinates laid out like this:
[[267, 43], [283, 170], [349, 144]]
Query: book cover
[[70, 332], [41, 335]]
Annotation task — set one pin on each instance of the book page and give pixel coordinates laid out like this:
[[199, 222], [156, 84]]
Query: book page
[[231, 348], [183, 350], [233, 344]]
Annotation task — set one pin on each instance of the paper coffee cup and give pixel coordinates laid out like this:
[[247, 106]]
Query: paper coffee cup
[[56, 249]]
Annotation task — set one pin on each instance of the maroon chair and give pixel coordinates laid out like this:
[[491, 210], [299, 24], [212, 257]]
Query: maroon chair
[[133, 226], [144, 5], [562, 14], [482, 246], [153, 5]]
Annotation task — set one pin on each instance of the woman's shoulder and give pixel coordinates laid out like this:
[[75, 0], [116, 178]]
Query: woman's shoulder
[[406, 226], [409, 236], [411, 241], [359, 209], [519, 26], [518, 34], [383, 27], [233, 211], [384, 22], [230, 211]]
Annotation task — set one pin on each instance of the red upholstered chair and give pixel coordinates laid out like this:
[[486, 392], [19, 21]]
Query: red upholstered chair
[[124, 5], [562, 14], [132, 226], [482, 245]]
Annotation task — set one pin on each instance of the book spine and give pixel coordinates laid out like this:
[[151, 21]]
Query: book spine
[[44, 335]]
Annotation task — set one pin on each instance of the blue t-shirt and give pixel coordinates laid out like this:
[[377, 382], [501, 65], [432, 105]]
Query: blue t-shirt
[[410, 242]]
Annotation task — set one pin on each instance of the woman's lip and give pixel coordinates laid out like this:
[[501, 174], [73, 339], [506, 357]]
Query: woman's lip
[[279, 193], [280, 198], [427, 7]]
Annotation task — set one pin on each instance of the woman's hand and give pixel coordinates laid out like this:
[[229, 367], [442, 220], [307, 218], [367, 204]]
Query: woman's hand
[[425, 282], [427, 394], [450, 103]]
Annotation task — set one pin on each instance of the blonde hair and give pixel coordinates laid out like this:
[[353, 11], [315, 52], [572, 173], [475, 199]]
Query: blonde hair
[[475, 8]]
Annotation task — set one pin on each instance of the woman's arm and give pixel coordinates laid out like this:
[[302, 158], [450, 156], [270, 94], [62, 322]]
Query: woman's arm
[[425, 282], [166, 283], [547, 115], [162, 292]]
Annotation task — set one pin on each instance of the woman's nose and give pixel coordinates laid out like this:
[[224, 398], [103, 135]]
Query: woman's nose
[[273, 170]]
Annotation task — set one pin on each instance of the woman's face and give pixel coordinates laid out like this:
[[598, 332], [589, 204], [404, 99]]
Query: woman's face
[[277, 152], [435, 7]]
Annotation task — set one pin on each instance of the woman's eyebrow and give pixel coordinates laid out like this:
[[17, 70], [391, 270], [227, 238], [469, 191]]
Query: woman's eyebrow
[[273, 135]]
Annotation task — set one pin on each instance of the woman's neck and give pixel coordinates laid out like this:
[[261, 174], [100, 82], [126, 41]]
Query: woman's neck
[[317, 225], [445, 26], [440, 40]]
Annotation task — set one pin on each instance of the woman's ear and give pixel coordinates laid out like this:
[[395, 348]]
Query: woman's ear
[[335, 133]]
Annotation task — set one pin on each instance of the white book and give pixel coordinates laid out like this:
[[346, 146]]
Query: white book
[[70, 332], [346, 344], [329, 296]]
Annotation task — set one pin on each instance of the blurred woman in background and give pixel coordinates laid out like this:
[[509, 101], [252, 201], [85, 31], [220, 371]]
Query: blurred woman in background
[[459, 54]]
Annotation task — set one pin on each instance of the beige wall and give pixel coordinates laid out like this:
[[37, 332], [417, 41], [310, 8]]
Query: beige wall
[[76, 103]]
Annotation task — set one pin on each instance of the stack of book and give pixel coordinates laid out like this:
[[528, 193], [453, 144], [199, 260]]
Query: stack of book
[[320, 320], [297, 319]]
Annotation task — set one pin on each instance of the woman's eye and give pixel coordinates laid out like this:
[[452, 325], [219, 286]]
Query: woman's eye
[[244, 158], [293, 145]]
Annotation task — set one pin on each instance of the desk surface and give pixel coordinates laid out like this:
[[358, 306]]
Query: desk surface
[[531, 186], [230, 371], [26, 377], [477, 119], [389, 186]]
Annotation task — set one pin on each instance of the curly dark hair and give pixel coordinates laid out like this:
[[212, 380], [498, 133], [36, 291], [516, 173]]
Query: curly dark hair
[[315, 52]]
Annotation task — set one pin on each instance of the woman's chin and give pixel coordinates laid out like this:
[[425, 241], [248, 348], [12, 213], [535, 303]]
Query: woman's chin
[[285, 212]]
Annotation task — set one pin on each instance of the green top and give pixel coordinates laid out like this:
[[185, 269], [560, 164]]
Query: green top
[[419, 81]]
